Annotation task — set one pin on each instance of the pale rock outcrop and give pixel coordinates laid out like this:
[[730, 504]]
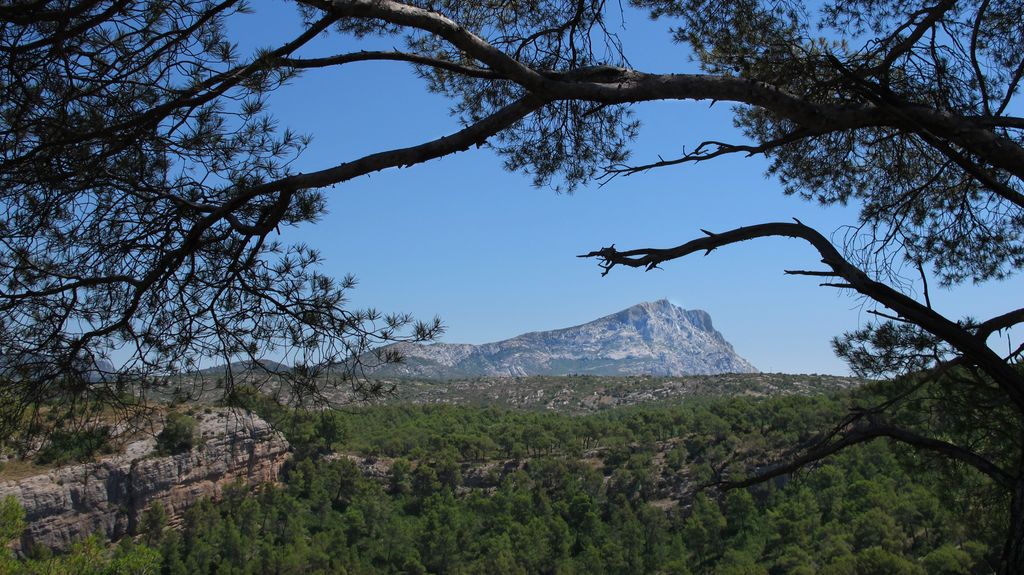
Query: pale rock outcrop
[[109, 496]]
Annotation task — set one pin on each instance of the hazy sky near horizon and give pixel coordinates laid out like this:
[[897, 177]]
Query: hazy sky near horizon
[[463, 239]]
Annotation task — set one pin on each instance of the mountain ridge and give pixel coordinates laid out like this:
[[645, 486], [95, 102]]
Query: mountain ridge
[[649, 338]]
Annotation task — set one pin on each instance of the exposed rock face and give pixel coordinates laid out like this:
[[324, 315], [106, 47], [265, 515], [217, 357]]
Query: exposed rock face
[[656, 338], [110, 496]]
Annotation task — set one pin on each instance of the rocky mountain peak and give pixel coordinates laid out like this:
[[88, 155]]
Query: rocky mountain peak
[[663, 310], [661, 321], [657, 338]]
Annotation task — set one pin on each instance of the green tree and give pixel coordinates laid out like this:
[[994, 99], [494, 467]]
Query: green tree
[[947, 560], [171, 553], [154, 520], [178, 434], [703, 529], [876, 528], [737, 563], [131, 559], [878, 561], [12, 524], [401, 477], [443, 538], [497, 556]]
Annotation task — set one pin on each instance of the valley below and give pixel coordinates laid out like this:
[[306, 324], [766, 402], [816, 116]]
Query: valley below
[[507, 475], [607, 447]]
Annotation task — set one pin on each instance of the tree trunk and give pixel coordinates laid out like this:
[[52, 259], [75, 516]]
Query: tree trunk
[[1013, 551]]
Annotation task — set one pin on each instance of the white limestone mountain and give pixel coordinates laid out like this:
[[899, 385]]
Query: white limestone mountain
[[656, 338]]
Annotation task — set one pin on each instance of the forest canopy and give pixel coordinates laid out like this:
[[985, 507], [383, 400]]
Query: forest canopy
[[610, 492]]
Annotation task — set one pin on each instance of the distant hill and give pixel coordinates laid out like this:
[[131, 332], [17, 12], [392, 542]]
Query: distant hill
[[589, 393], [651, 338], [248, 367]]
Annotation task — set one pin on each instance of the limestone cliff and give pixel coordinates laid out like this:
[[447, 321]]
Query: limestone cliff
[[109, 496]]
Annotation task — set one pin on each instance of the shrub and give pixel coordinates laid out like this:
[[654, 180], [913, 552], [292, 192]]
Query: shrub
[[178, 434], [68, 446]]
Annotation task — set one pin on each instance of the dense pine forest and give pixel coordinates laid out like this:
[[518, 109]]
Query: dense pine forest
[[462, 489]]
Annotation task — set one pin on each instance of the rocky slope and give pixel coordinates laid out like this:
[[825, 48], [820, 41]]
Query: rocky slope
[[109, 496], [656, 338], [587, 393]]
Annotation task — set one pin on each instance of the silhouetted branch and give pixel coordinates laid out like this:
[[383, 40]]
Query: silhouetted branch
[[1000, 322], [392, 56], [709, 150], [623, 85], [809, 273], [931, 16]]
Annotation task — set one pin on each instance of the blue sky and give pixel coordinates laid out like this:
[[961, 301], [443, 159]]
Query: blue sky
[[494, 257]]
